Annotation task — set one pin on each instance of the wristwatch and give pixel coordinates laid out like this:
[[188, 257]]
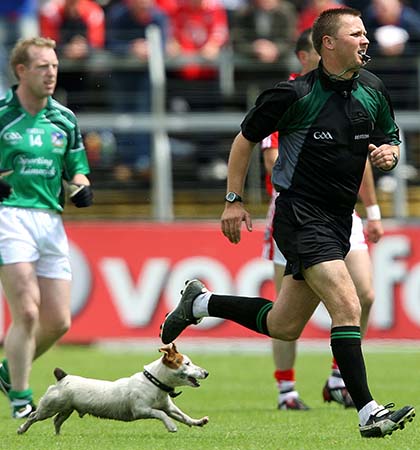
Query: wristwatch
[[233, 197], [394, 163]]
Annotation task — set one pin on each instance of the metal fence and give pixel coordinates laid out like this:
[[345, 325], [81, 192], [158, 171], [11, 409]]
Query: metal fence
[[161, 123]]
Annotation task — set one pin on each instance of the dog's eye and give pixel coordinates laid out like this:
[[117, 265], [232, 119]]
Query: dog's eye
[[187, 363]]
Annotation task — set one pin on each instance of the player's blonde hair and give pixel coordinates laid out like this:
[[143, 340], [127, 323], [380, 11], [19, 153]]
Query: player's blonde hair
[[20, 54]]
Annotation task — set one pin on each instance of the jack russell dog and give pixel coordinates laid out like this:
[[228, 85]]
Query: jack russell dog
[[144, 395]]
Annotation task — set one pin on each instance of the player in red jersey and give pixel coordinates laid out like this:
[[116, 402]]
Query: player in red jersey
[[357, 261]]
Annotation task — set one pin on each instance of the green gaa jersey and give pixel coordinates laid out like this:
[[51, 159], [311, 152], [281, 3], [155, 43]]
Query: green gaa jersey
[[42, 150]]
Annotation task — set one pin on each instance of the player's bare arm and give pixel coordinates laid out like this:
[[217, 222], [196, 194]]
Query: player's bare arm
[[367, 194], [234, 213], [270, 157], [80, 178]]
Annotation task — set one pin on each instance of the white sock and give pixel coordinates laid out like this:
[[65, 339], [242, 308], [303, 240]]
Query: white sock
[[288, 396], [286, 386], [200, 305], [335, 382], [336, 372], [371, 408]]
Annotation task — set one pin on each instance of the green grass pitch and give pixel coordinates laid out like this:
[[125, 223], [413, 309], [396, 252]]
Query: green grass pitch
[[239, 396]]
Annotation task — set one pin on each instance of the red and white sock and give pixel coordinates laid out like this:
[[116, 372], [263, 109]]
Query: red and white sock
[[335, 380], [286, 384]]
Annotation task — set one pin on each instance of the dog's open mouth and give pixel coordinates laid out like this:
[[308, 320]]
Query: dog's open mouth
[[193, 381]]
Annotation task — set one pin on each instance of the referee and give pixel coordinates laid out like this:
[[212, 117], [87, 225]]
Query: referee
[[325, 121]]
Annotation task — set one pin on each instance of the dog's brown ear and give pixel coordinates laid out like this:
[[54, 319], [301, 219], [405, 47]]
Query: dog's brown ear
[[165, 349], [171, 356], [171, 353], [169, 349]]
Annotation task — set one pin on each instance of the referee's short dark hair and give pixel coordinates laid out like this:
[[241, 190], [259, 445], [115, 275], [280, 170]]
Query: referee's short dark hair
[[304, 41], [328, 23]]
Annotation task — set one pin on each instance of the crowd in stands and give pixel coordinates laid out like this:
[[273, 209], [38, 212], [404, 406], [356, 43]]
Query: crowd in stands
[[260, 32]]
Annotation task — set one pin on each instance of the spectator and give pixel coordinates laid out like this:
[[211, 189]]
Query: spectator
[[361, 5], [127, 22], [169, 6], [78, 27], [415, 4], [394, 33], [231, 7], [199, 33], [312, 10], [393, 28], [18, 19], [263, 34], [264, 30]]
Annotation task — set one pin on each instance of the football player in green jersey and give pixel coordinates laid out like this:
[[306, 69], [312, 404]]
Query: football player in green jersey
[[41, 150]]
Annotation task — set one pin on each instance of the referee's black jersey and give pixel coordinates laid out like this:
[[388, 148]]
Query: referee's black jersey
[[324, 128]]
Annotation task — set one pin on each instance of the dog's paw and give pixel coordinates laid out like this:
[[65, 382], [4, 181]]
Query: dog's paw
[[203, 421], [21, 429], [170, 426]]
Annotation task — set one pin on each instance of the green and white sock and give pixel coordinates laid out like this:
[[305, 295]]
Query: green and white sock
[[21, 397], [4, 371], [21, 403]]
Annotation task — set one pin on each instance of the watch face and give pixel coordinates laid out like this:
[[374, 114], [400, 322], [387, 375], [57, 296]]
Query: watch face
[[230, 197]]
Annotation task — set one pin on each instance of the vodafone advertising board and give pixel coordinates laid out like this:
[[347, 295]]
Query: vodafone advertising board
[[127, 276]]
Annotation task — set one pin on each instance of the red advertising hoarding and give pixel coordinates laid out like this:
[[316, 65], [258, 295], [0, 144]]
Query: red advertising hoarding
[[127, 276]]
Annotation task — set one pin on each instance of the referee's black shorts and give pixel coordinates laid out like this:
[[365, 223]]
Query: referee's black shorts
[[306, 234]]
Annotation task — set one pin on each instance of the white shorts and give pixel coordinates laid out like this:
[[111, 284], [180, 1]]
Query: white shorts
[[357, 237], [272, 252], [37, 236], [270, 249]]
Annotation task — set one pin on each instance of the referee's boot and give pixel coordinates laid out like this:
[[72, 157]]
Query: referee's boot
[[182, 316], [385, 422]]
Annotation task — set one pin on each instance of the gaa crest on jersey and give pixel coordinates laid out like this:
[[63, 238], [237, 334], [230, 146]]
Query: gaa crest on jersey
[[12, 137], [57, 139]]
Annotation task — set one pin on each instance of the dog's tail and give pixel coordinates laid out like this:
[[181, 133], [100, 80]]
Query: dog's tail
[[59, 373]]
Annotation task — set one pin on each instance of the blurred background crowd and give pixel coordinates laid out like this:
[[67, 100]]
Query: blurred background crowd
[[218, 55]]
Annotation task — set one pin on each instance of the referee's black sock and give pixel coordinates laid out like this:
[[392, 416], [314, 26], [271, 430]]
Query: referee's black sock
[[250, 312], [347, 351]]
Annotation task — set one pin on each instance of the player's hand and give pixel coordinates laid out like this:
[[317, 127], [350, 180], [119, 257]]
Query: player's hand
[[84, 197], [231, 221], [384, 157], [5, 190], [374, 230]]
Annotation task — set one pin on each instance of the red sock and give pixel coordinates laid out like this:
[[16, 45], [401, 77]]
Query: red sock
[[334, 365], [284, 375]]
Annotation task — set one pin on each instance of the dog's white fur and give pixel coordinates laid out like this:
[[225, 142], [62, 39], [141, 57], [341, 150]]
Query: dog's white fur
[[125, 399]]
